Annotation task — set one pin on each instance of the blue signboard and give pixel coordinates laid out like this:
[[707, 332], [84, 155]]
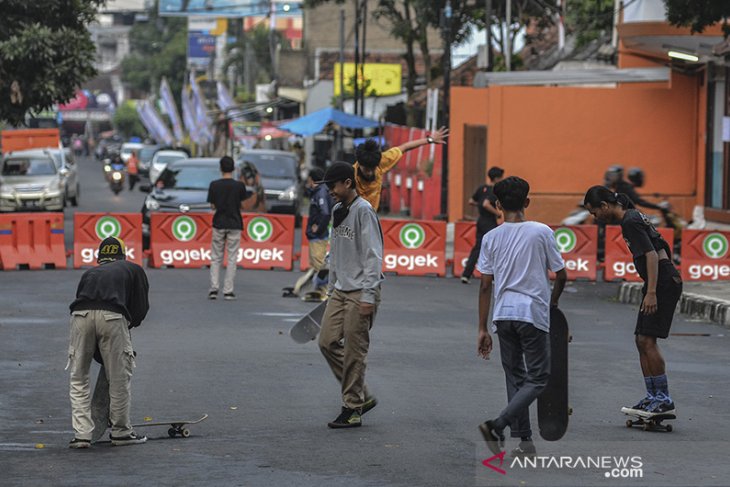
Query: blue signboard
[[201, 47], [227, 8]]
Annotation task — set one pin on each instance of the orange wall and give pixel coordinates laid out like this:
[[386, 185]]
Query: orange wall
[[562, 140]]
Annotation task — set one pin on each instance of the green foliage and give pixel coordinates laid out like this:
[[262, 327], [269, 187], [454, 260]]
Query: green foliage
[[259, 63], [127, 122], [699, 14], [46, 53], [587, 19]]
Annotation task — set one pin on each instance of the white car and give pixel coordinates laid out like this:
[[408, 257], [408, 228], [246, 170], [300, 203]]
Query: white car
[[128, 148], [161, 159]]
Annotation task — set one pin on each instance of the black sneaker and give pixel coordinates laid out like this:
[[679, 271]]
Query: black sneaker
[[465, 280], [229, 297], [348, 418], [493, 437], [77, 443], [131, 439], [640, 407], [213, 295], [526, 449], [659, 408], [369, 404]]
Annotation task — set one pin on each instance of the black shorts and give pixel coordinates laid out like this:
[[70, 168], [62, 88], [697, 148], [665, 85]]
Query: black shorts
[[668, 292]]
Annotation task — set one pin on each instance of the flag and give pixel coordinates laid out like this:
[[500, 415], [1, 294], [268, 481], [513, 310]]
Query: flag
[[189, 117], [224, 98], [169, 103], [202, 121], [153, 123]]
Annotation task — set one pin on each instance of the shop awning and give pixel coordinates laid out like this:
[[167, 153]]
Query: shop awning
[[315, 122]]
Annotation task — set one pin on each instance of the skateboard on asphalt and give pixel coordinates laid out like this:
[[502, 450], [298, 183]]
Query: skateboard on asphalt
[[552, 405], [651, 423], [100, 406], [307, 329], [177, 427]]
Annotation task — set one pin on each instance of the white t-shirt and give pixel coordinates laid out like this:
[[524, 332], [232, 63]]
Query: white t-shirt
[[519, 255]]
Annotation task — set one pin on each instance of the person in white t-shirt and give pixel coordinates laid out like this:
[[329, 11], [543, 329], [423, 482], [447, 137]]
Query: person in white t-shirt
[[514, 260]]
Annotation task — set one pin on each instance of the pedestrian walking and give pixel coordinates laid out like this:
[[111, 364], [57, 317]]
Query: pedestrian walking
[[356, 261], [660, 294], [226, 196], [133, 170], [111, 299], [514, 259]]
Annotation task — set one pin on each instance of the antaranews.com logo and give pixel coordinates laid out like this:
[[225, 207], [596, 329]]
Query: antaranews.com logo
[[613, 467]]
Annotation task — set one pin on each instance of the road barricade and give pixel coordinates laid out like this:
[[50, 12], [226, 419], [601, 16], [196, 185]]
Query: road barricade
[[32, 240], [705, 255], [579, 247], [267, 241], [618, 261], [414, 248], [91, 228], [464, 237]]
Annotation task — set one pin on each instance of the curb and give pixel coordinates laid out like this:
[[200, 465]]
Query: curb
[[694, 305]]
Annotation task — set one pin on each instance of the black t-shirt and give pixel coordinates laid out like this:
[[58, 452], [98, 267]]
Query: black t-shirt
[[226, 195], [485, 192], [641, 237]]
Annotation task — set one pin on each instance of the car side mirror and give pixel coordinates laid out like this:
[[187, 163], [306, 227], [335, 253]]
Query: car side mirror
[[145, 188]]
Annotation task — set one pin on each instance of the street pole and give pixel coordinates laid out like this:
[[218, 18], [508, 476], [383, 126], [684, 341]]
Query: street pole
[[357, 56], [508, 37], [341, 101], [488, 23], [364, 54], [272, 40], [446, 60]]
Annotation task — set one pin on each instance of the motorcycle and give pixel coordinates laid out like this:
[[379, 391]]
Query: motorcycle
[[116, 177]]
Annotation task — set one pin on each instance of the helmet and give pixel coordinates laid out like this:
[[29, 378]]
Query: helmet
[[613, 175], [636, 176]]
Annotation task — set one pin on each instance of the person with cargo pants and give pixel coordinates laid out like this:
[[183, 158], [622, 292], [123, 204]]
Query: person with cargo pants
[[110, 300]]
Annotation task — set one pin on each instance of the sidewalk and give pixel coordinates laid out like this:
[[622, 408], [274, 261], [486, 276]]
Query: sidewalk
[[706, 300]]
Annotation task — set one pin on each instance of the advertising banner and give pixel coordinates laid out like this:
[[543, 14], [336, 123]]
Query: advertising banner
[[705, 255], [464, 237], [91, 228], [579, 247], [414, 248]]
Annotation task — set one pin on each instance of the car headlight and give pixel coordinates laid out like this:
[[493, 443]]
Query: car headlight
[[152, 204], [289, 194], [117, 176]]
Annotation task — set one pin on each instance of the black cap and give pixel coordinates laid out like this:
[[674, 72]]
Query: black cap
[[316, 173], [111, 249], [339, 171]]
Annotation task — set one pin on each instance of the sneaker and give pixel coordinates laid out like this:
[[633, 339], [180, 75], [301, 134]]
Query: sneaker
[[213, 295], [640, 406], [526, 449], [229, 297], [659, 407], [131, 439], [369, 404], [465, 280], [348, 418], [77, 443], [493, 437]]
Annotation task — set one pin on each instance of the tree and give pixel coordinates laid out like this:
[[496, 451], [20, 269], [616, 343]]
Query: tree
[[699, 14], [250, 55], [46, 53], [127, 122], [588, 19]]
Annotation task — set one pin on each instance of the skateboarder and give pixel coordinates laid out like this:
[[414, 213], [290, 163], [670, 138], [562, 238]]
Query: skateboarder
[[515, 258], [356, 261], [110, 300], [372, 164], [661, 292]]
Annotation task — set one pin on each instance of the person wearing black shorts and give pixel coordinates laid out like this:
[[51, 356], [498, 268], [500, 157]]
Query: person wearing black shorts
[[485, 201], [661, 292]]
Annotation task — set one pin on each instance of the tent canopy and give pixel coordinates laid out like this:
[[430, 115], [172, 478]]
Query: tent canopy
[[315, 122]]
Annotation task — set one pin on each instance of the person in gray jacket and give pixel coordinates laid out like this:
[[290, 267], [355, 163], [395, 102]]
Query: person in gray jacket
[[356, 262]]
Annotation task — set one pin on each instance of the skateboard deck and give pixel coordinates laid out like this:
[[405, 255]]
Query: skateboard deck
[[651, 423], [307, 329], [552, 405], [100, 406], [177, 427]]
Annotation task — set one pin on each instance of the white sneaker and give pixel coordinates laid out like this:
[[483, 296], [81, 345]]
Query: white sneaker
[[131, 439]]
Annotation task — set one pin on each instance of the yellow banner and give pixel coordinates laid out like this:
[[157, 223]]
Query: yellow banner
[[377, 79]]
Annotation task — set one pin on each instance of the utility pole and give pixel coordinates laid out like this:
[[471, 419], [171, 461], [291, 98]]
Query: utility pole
[[446, 60], [272, 41], [361, 75], [508, 37], [341, 101], [488, 23], [357, 55]]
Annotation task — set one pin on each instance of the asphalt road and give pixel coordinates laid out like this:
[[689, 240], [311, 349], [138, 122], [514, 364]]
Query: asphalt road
[[269, 399]]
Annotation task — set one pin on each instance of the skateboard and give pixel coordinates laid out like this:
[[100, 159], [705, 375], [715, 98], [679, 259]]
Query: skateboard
[[288, 292], [307, 329], [552, 404], [100, 406], [652, 423], [177, 427]]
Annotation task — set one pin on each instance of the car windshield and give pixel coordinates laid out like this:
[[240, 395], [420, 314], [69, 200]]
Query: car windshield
[[189, 177], [168, 158], [147, 153], [273, 166], [28, 167]]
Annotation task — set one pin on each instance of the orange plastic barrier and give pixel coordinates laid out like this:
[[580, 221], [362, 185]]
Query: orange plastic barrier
[[579, 247], [619, 263], [91, 228], [705, 255], [414, 248], [267, 241], [464, 237], [34, 240]]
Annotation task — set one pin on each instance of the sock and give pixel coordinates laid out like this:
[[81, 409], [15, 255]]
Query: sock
[[650, 387], [662, 387]]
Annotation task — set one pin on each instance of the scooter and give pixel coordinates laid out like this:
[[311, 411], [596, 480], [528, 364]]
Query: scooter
[[116, 178]]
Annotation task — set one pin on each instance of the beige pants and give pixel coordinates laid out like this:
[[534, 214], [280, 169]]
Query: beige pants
[[229, 240], [344, 341], [317, 254], [110, 333]]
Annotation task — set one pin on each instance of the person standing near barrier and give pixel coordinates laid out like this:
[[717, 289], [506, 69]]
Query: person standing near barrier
[[661, 292], [372, 163], [226, 196], [515, 258], [110, 300], [483, 198], [133, 170], [356, 262]]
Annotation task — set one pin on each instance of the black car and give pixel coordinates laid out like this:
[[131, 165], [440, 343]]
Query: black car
[[279, 178]]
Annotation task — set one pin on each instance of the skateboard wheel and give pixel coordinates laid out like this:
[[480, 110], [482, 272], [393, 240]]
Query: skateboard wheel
[[570, 411], [185, 432], [171, 432], [647, 426], [629, 423], [669, 428]]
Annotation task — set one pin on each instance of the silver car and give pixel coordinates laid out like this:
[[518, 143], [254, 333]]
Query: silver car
[[30, 183], [65, 165]]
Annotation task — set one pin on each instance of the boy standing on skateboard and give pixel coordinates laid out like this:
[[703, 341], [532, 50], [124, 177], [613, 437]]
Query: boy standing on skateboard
[[356, 262], [514, 259], [662, 290]]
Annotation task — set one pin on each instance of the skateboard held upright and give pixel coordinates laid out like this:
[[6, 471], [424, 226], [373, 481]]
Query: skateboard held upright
[[552, 405]]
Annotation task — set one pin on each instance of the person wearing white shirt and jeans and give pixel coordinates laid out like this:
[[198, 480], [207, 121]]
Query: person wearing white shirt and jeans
[[514, 260]]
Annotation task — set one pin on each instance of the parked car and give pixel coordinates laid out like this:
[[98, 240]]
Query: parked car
[[65, 166], [278, 171], [30, 182], [128, 148], [161, 159], [145, 156]]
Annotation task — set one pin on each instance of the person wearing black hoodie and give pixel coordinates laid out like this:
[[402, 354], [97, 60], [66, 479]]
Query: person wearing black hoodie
[[110, 300]]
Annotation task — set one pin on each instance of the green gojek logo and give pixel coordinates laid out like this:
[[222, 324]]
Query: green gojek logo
[[715, 246], [565, 239], [412, 235], [107, 226], [184, 228], [260, 229]]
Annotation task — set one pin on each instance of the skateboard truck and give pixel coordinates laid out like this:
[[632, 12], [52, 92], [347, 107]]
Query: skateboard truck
[[652, 423]]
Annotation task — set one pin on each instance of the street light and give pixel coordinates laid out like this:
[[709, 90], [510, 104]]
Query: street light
[[684, 56]]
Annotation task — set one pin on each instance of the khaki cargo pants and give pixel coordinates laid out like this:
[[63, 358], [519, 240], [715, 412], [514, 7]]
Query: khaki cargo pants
[[229, 241], [344, 341], [109, 332]]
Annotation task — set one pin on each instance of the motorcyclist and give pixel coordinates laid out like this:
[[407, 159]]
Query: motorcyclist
[[616, 182]]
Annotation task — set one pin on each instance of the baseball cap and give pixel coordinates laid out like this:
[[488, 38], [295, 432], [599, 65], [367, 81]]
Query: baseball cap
[[339, 171], [111, 249]]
